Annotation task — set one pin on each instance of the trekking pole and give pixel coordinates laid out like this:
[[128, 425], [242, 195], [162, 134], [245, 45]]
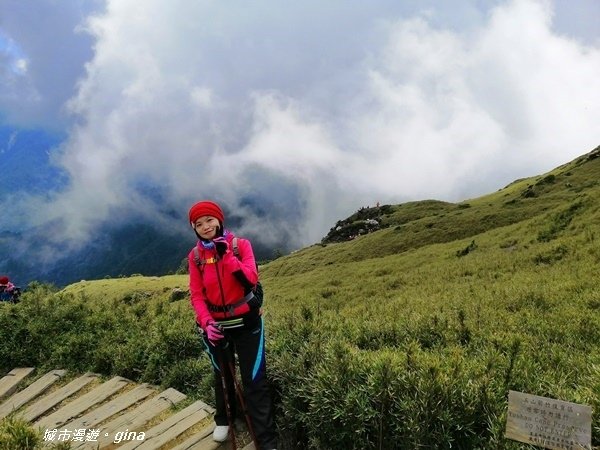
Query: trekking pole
[[219, 352], [240, 394]]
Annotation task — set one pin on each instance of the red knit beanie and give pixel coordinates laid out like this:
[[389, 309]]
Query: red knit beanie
[[4, 280], [205, 208]]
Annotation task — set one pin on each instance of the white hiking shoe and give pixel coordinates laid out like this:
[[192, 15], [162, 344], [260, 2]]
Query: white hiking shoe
[[220, 433]]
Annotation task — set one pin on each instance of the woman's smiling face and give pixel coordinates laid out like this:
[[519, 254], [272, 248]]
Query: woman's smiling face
[[207, 227]]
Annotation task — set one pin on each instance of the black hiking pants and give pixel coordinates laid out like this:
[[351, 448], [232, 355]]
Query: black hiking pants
[[248, 343]]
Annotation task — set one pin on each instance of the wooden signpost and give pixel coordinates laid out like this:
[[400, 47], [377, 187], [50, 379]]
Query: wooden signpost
[[548, 423]]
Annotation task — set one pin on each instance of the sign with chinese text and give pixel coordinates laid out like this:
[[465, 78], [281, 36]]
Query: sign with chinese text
[[548, 423]]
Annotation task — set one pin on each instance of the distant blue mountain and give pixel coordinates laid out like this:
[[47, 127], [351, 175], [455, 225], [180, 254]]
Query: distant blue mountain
[[116, 250], [123, 247], [25, 161]]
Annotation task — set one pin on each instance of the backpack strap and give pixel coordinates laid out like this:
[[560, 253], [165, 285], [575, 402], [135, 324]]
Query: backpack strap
[[242, 279], [200, 262], [256, 290], [236, 249], [196, 255]]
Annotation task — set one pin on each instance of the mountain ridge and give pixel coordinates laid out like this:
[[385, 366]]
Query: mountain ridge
[[412, 225], [375, 231]]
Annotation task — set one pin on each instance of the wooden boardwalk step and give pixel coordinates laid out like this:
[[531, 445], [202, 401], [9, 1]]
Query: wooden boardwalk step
[[9, 383], [135, 419], [30, 392], [48, 402], [199, 440], [170, 428], [106, 412], [206, 443], [81, 404], [203, 441], [103, 412]]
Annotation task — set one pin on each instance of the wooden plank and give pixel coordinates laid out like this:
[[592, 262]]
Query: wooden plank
[[196, 440], [48, 402], [30, 392], [173, 432], [135, 419], [120, 403], [81, 404], [9, 383], [208, 444], [170, 428]]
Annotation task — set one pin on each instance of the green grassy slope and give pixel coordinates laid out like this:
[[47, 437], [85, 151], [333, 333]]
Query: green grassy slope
[[419, 330], [119, 288], [416, 224], [406, 337]]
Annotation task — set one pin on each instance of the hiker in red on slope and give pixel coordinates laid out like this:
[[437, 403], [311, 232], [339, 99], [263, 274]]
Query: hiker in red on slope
[[8, 291], [6, 285], [223, 276]]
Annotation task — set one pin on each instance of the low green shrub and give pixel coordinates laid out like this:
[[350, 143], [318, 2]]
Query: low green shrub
[[138, 336], [16, 434]]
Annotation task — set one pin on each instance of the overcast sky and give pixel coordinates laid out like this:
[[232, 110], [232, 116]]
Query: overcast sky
[[310, 109]]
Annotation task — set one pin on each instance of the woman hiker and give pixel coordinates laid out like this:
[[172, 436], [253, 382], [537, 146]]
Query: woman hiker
[[6, 285], [223, 272], [7, 289]]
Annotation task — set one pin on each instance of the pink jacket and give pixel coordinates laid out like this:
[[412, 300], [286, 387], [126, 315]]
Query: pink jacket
[[214, 281], [9, 287]]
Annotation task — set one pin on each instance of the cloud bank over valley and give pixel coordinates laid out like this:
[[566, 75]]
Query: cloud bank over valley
[[292, 116]]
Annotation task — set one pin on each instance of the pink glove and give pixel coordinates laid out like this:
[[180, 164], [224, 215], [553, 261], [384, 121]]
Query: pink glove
[[213, 333]]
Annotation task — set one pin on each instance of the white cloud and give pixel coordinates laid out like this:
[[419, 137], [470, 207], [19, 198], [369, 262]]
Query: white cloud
[[21, 65], [232, 103], [451, 115]]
